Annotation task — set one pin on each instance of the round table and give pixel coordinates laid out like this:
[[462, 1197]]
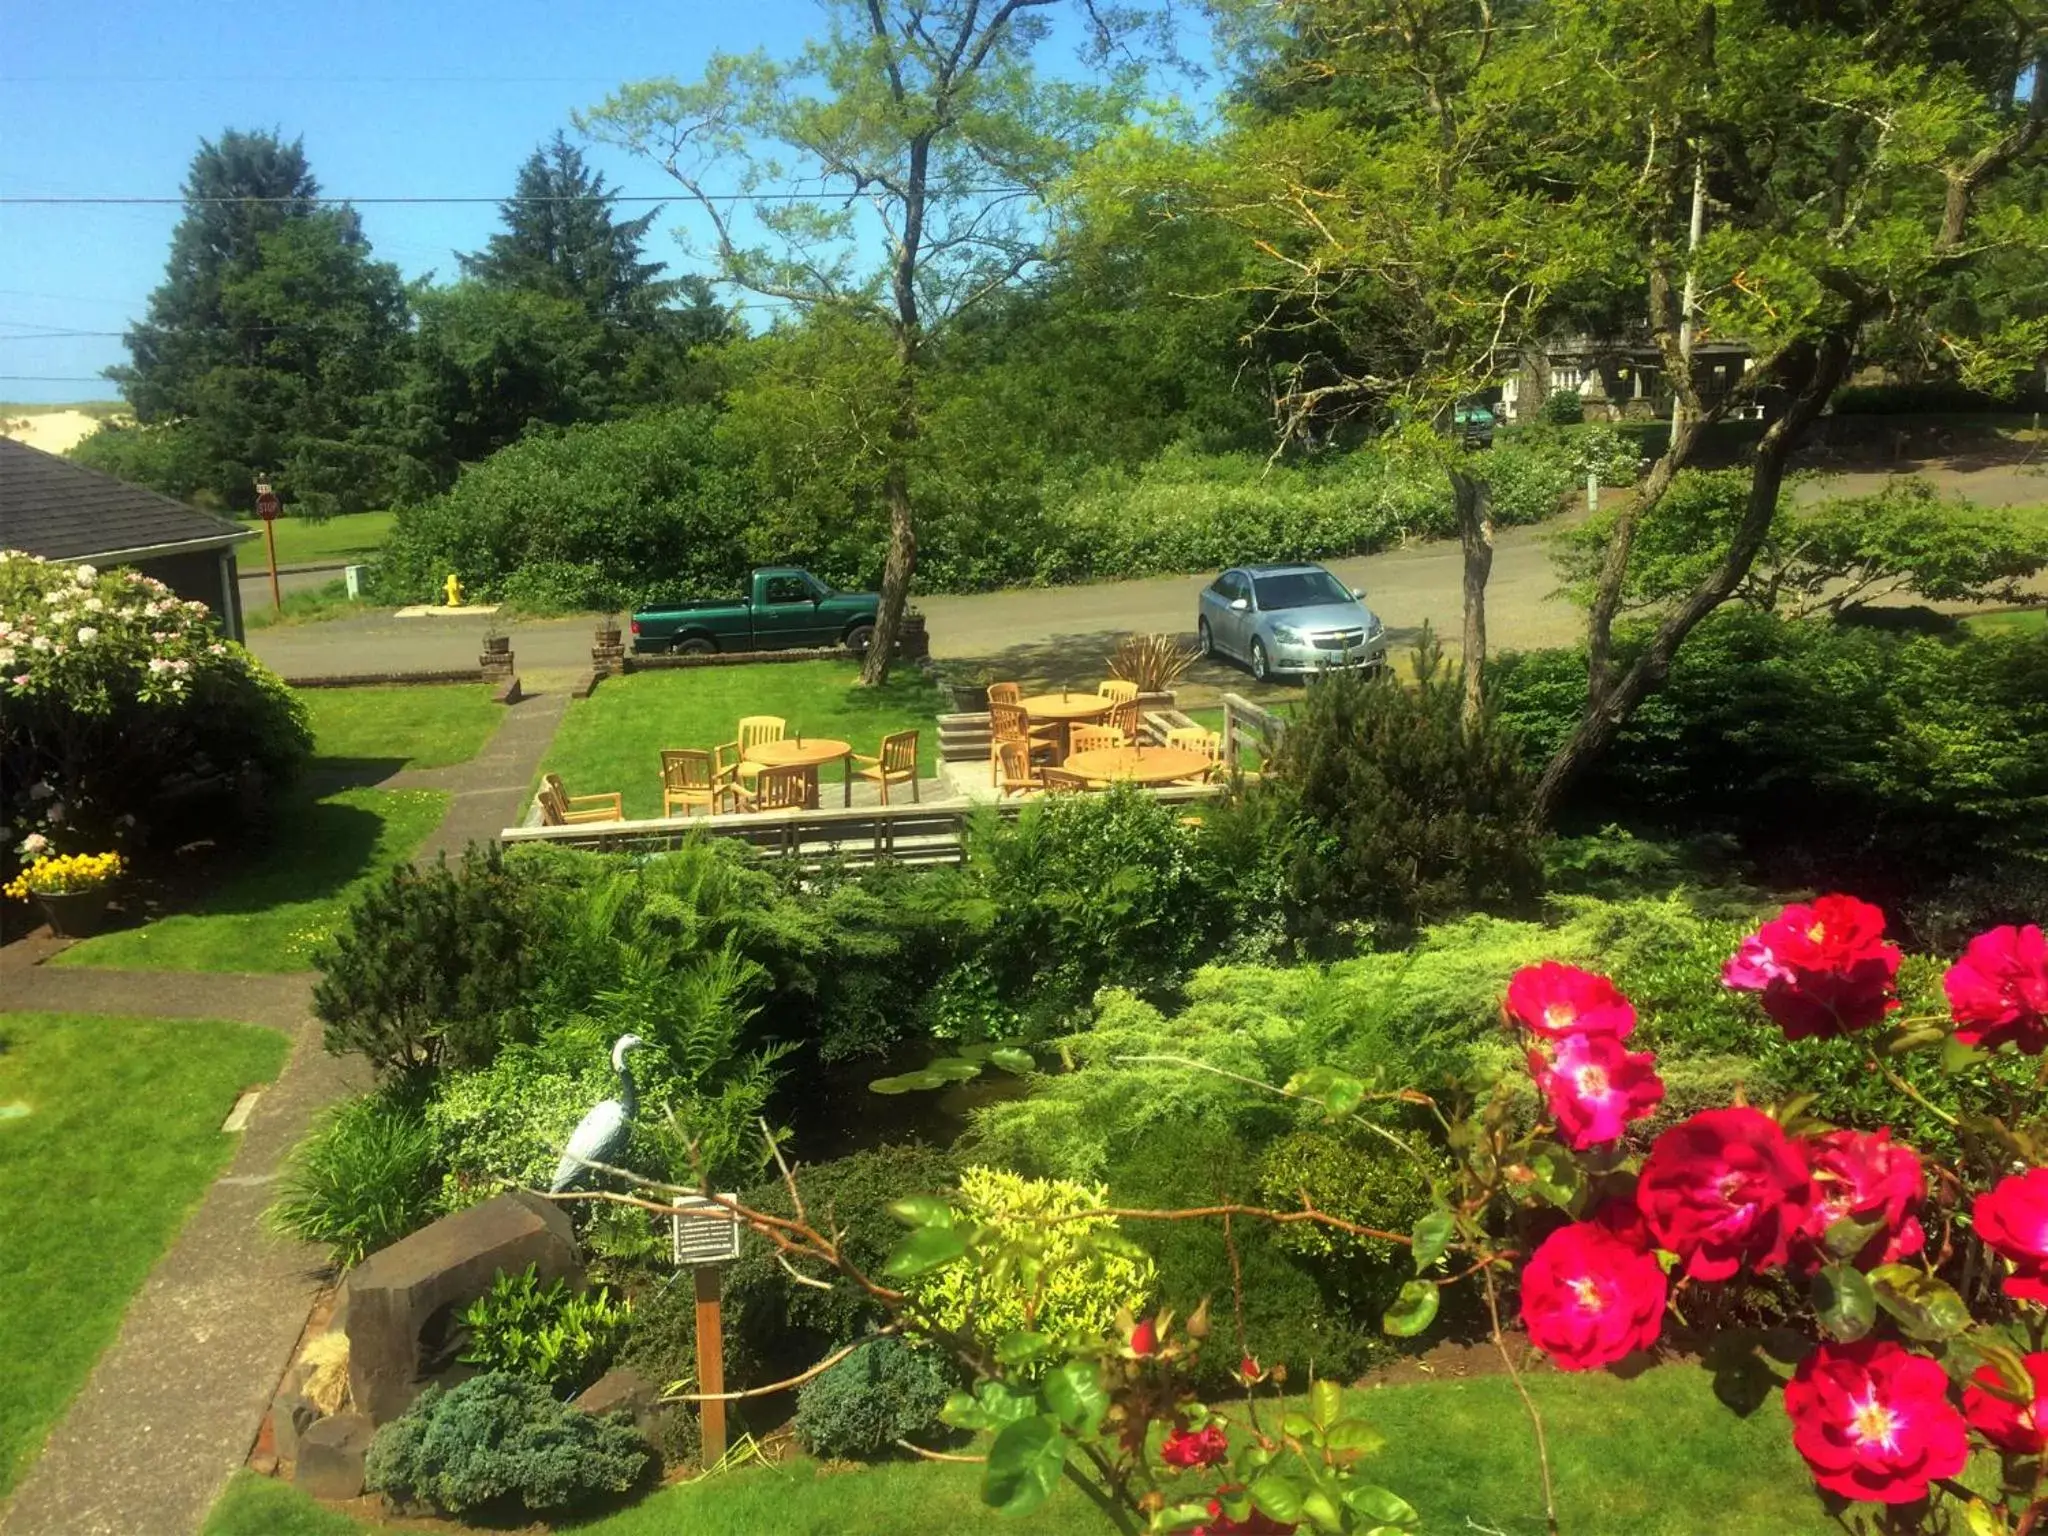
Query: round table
[[1064, 709], [811, 752], [1140, 765]]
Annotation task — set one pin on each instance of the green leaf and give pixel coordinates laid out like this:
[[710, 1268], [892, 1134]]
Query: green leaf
[[1325, 1403], [1413, 1310], [1181, 1517], [1925, 1308], [1559, 1179], [963, 1412], [1010, 1059], [1002, 1405], [1020, 1347], [1374, 1503], [1076, 1396], [1296, 1426], [1958, 1057], [1277, 1498], [1321, 1512], [1354, 1437], [908, 1082], [1982, 1520], [1846, 1238], [953, 1069], [1843, 1299], [1432, 1235], [1024, 1462], [922, 1211], [926, 1249]]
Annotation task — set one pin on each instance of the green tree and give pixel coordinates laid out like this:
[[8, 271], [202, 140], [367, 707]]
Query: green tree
[[272, 343], [931, 133]]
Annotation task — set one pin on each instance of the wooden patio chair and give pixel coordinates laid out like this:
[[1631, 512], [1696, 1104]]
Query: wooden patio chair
[[755, 729], [1117, 690], [1005, 693], [1196, 738], [895, 764], [1058, 781], [777, 789], [1015, 773], [609, 806], [1009, 722], [690, 777], [1123, 719], [1090, 738], [729, 767]]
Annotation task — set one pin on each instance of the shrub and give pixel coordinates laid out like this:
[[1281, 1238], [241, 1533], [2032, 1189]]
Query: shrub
[[1414, 816], [117, 700], [498, 1441], [1078, 1287], [547, 1334], [1352, 1176], [362, 1180], [1563, 408], [506, 1124], [427, 966], [883, 1392]]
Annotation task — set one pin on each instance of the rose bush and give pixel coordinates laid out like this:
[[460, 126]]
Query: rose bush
[[114, 694]]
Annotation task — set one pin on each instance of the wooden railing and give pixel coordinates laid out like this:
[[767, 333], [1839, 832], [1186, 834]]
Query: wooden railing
[[908, 834], [1245, 724]]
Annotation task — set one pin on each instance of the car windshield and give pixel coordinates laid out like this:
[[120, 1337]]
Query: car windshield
[[1299, 589]]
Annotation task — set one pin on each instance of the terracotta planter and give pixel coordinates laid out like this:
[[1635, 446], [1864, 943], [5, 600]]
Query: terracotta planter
[[74, 914]]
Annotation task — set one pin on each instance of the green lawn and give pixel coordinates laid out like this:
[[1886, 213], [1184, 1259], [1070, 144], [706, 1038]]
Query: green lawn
[[316, 606], [1657, 1456], [120, 1139], [614, 738], [273, 909], [2016, 621], [351, 538]]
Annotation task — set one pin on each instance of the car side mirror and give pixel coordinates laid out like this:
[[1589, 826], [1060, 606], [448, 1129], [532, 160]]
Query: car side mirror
[[1240, 604], [1359, 593]]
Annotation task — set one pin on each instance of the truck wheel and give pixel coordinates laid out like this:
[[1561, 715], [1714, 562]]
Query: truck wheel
[[859, 638], [695, 645]]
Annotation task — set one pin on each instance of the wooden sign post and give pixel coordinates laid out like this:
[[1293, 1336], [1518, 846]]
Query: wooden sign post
[[707, 1238], [267, 508]]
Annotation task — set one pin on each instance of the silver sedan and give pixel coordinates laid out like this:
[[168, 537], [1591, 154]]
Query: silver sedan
[[1282, 620]]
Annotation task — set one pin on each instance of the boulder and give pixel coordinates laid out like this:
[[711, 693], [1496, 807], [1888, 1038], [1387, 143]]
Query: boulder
[[624, 1390], [394, 1296], [290, 1417], [331, 1456]]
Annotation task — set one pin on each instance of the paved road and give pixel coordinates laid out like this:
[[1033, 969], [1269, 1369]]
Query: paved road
[[1058, 632]]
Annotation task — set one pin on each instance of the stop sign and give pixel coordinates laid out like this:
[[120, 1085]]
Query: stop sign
[[267, 505]]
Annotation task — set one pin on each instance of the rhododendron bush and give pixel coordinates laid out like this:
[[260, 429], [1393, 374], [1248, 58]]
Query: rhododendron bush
[[113, 691], [1904, 1298]]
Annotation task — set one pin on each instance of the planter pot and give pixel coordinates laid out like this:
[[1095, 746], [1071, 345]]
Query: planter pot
[[969, 698], [608, 637], [74, 914]]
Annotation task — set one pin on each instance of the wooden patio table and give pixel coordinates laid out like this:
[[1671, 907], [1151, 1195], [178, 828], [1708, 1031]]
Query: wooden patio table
[[809, 752], [1140, 765], [1064, 709]]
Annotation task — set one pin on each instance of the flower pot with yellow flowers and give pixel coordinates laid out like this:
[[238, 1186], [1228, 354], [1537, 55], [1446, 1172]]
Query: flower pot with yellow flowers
[[72, 889]]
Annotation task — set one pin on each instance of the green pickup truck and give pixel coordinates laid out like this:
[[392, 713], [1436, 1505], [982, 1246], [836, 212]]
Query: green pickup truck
[[788, 609]]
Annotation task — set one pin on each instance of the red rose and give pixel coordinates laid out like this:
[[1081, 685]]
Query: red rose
[[2012, 1216], [1875, 1422], [1200, 1448], [1868, 1176], [1254, 1524], [1596, 1086], [1555, 1000], [1724, 1189], [1998, 991], [1145, 1338], [1823, 969], [1590, 1297], [2021, 1428]]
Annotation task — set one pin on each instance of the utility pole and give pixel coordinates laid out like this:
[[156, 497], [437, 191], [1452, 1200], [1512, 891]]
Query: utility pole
[[1691, 295]]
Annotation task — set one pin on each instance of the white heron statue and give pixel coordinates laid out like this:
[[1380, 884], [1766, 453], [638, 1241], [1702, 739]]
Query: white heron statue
[[601, 1135]]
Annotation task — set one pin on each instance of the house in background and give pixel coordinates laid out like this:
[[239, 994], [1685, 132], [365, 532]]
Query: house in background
[[59, 510], [1616, 380]]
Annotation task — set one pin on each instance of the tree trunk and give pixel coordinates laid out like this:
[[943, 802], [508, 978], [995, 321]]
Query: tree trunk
[[1820, 369], [1473, 499], [898, 567]]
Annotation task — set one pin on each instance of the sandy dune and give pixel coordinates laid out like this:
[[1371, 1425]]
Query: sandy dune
[[54, 431]]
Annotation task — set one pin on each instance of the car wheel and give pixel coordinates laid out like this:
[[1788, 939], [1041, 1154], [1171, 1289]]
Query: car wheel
[[695, 645], [1260, 669], [859, 638], [1205, 641]]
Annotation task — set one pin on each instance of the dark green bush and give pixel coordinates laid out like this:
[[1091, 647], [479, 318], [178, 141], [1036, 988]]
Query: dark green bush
[[1563, 408], [545, 1333], [498, 1442], [428, 966], [1928, 397], [363, 1179], [883, 1392], [1413, 817]]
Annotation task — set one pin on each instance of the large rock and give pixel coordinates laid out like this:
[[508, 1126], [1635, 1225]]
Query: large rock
[[331, 1454], [394, 1297], [624, 1390]]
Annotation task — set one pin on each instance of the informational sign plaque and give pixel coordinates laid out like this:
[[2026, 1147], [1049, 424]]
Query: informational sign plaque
[[710, 1238]]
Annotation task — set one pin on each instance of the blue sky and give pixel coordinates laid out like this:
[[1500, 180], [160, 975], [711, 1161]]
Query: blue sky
[[423, 99]]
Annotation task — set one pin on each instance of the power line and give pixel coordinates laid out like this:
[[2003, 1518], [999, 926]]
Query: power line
[[54, 378], [412, 202]]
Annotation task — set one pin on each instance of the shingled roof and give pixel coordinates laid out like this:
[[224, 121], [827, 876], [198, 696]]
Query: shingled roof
[[59, 510]]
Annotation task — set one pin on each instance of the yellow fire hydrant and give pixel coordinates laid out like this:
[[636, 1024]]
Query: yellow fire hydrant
[[454, 591]]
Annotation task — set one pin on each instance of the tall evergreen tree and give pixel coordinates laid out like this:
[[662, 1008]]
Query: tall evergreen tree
[[563, 237]]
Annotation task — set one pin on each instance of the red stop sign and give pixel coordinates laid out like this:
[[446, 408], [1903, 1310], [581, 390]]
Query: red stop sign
[[268, 506]]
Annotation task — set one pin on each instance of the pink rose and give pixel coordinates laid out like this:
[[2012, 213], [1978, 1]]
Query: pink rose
[[1555, 1000], [1998, 991]]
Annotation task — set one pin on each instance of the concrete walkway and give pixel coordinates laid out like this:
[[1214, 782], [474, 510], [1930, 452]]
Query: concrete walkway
[[174, 1405]]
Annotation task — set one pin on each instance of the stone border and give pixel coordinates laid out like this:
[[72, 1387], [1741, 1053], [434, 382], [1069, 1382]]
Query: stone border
[[387, 679]]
